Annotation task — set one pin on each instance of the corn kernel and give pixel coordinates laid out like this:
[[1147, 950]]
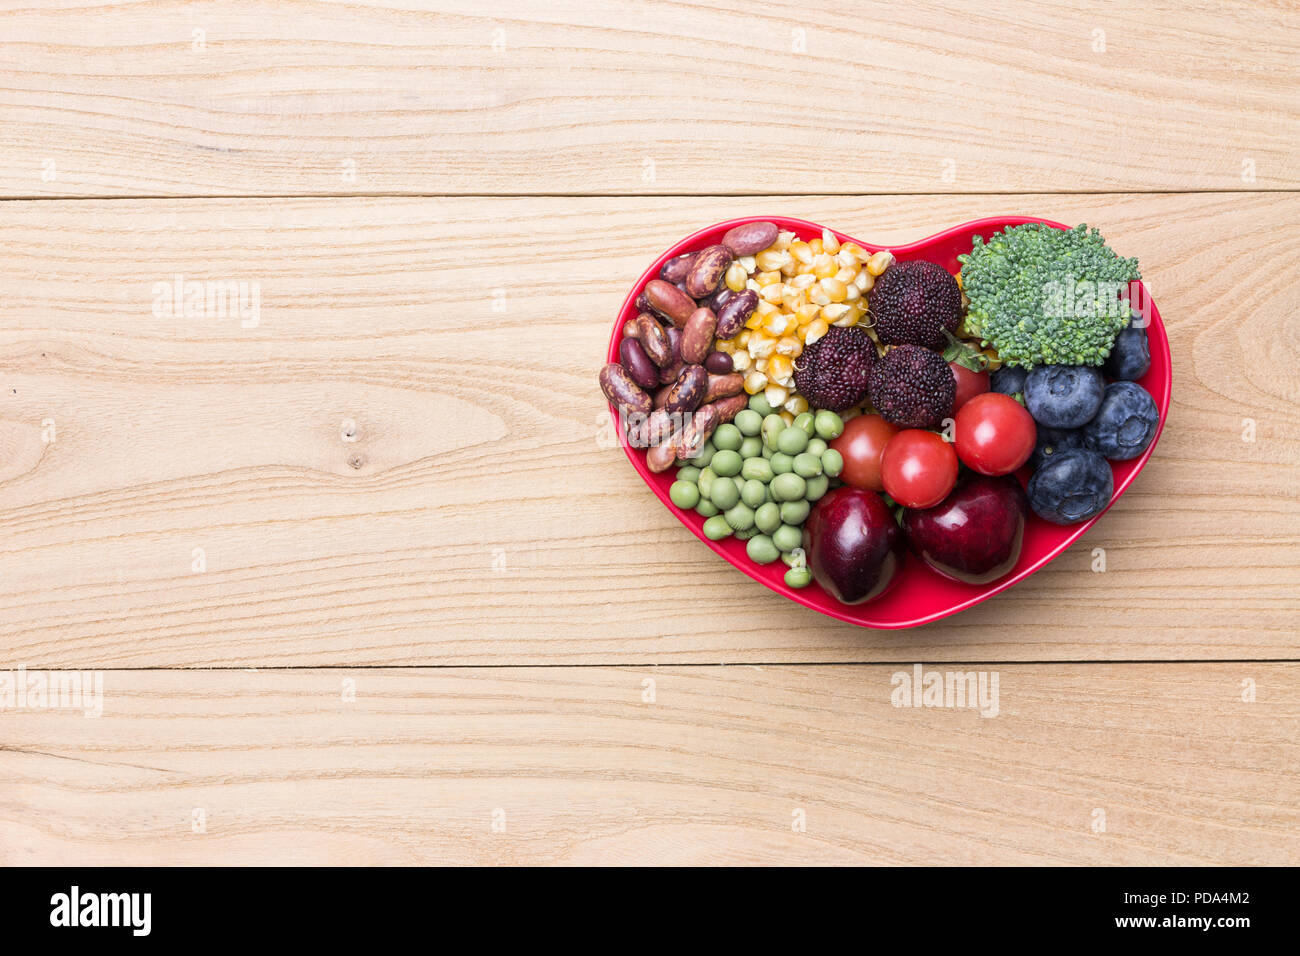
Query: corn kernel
[[786, 417], [789, 345], [736, 277], [783, 240], [816, 247], [771, 259], [754, 321], [760, 345], [807, 313], [881, 261], [796, 405], [776, 396], [776, 323], [801, 252], [847, 274], [726, 345], [851, 293], [755, 382], [829, 242], [834, 288], [864, 281], [856, 251], [747, 263], [816, 329], [833, 313], [778, 367], [742, 338], [772, 293], [761, 365], [824, 266], [740, 361], [802, 281], [819, 295]]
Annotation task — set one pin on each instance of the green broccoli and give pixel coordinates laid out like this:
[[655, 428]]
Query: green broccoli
[[1045, 296]]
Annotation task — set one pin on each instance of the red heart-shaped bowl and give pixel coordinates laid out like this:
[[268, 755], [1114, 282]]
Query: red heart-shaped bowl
[[919, 595]]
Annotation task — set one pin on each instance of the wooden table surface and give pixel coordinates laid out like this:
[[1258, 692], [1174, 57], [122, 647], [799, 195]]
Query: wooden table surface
[[361, 573]]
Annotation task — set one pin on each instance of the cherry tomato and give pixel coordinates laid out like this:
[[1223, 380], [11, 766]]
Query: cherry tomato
[[861, 443], [994, 434], [969, 384], [918, 468]]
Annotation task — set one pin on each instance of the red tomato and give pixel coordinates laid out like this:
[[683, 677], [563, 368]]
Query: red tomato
[[918, 468], [861, 443], [969, 384], [994, 434]]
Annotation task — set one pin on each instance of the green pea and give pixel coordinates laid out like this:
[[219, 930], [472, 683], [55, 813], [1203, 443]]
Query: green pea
[[804, 422], [760, 404], [798, 578], [705, 456], [795, 512], [817, 487], [757, 468], [816, 446], [832, 462], [768, 517], [807, 465], [787, 487], [781, 463], [761, 549], [690, 474], [684, 494], [754, 493], [726, 463], [767, 452], [795, 558], [705, 481], [748, 421], [724, 494], [727, 437], [740, 517], [751, 447], [716, 528], [828, 425], [740, 482], [706, 508], [791, 441], [787, 537], [772, 428], [746, 534]]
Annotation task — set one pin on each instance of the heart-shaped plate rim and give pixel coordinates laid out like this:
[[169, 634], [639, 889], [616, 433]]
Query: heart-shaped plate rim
[[920, 595]]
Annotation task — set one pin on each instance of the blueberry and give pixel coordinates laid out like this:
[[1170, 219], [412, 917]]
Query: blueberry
[[1125, 423], [1008, 380], [1130, 356], [1064, 396], [1051, 442], [1072, 486]]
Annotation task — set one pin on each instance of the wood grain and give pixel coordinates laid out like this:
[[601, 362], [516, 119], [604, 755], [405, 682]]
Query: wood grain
[[455, 97], [1084, 764], [479, 515]]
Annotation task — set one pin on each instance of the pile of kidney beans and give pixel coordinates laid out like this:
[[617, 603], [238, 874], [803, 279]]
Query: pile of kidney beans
[[670, 387]]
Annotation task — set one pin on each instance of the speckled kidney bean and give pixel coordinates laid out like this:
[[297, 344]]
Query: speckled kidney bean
[[697, 336], [653, 339], [723, 386], [749, 238], [669, 301], [718, 299], [697, 431], [629, 329], [688, 390], [718, 363], [661, 395], [729, 408], [652, 429], [668, 373], [677, 268], [707, 271], [736, 313], [661, 456], [619, 388], [638, 365]]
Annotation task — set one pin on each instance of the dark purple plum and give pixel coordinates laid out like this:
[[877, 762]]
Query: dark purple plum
[[973, 535], [854, 545]]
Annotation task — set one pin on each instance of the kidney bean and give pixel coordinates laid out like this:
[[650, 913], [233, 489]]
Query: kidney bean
[[697, 336], [749, 238], [718, 299], [723, 386], [736, 313], [688, 390], [669, 372], [643, 371], [718, 363], [677, 268], [661, 456], [697, 431], [669, 301], [642, 303], [707, 271], [622, 391], [629, 329], [653, 339], [661, 395], [729, 408], [646, 430]]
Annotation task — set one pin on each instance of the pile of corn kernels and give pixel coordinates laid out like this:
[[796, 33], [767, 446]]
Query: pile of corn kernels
[[803, 289]]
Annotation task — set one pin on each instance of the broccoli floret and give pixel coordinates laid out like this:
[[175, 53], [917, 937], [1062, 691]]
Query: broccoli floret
[[1045, 296]]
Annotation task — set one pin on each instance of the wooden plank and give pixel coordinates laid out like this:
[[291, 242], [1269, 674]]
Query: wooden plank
[[478, 517], [1152, 764], [239, 97]]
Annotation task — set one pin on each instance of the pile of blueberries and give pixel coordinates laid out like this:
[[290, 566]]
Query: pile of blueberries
[[1083, 421]]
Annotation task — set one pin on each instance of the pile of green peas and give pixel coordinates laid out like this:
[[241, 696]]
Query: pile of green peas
[[757, 479]]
